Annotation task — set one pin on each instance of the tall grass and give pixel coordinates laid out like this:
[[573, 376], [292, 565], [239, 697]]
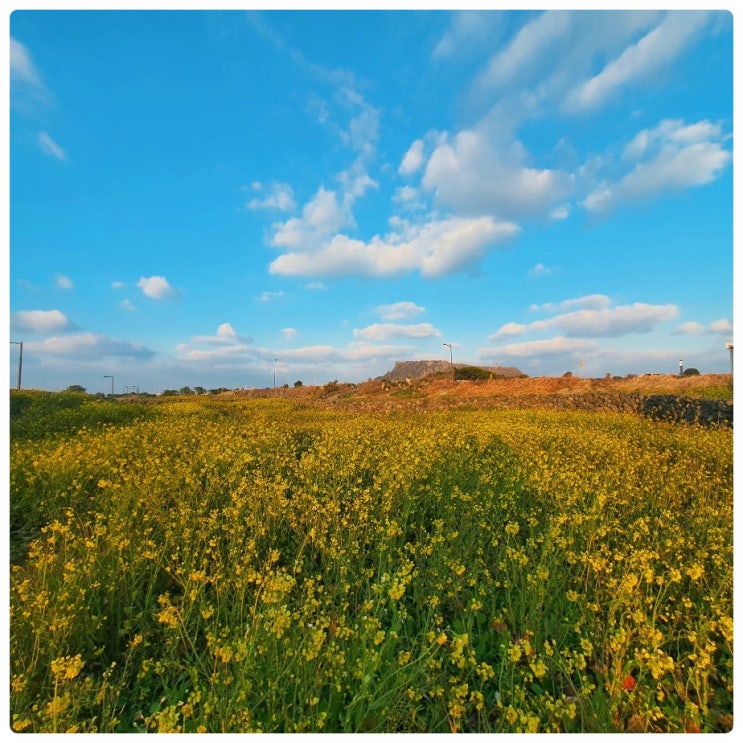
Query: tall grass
[[266, 566]]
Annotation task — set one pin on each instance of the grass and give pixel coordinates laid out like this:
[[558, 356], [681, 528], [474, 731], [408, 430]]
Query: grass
[[268, 566]]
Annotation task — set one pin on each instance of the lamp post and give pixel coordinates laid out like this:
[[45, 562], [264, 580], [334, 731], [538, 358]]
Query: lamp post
[[729, 347], [110, 376], [681, 367], [451, 359], [20, 360], [274, 373]]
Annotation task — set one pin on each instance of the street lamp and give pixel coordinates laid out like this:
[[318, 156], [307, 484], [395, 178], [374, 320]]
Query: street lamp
[[274, 373], [109, 376], [20, 360], [451, 359], [681, 367], [729, 347]]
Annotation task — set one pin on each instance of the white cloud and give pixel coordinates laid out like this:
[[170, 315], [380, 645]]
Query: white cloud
[[63, 282], [589, 302], [656, 50], [321, 217], [469, 30], [89, 346], [560, 212], [689, 328], [558, 345], [280, 197], [594, 323], [117, 284], [398, 310], [539, 270], [721, 326], [127, 305], [434, 249], [226, 335], [676, 156], [315, 286], [50, 147], [39, 321], [380, 332], [476, 174], [290, 333], [271, 296], [413, 159], [26, 86], [156, 287]]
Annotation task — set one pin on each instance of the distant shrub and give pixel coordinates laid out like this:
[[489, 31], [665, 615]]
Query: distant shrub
[[472, 372], [691, 372]]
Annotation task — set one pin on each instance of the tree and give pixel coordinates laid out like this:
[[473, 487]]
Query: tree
[[76, 388], [185, 391], [298, 383]]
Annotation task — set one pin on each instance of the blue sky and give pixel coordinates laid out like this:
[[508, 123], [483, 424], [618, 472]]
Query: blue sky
[[205, 198]]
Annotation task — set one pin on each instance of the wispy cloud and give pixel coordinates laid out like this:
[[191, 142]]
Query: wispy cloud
[[536, 272], [39, 321], [156, 287], [279, 196], [127, 305], [669, 157], [289, 334], [63, 282], [26, 84], [398, 310], [271, 296], [50, 147]]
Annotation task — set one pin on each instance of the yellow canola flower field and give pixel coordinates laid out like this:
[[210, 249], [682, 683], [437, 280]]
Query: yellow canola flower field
[[262, 565]]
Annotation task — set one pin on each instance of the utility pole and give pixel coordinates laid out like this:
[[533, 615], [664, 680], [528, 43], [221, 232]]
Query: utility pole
[[20, 361], [451, 359], [729, 347], [274, 373], [109, 376]]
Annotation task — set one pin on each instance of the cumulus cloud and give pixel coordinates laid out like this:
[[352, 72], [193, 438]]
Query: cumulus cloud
[[63, 282], [413, 158], [589, 302], [434, 249], [50, 147], [280, 196], [559, 345], [127, 305], [322, 217], [398, 310], [669, 157], [156, 287], [469, 29], [225, 335], [380, 332], [39, 321], [721, 326], [595, 323], [473, 173]]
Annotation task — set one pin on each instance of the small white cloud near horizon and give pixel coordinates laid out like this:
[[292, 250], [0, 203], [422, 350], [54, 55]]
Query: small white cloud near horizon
[[39, 321], [379, 332], [50, 147], [156, 287], [63, 282], [602, 322], [289, 333], [721, 326]]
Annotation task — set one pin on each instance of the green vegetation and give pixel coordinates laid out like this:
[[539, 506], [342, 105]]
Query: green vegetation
[[208, 566]]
